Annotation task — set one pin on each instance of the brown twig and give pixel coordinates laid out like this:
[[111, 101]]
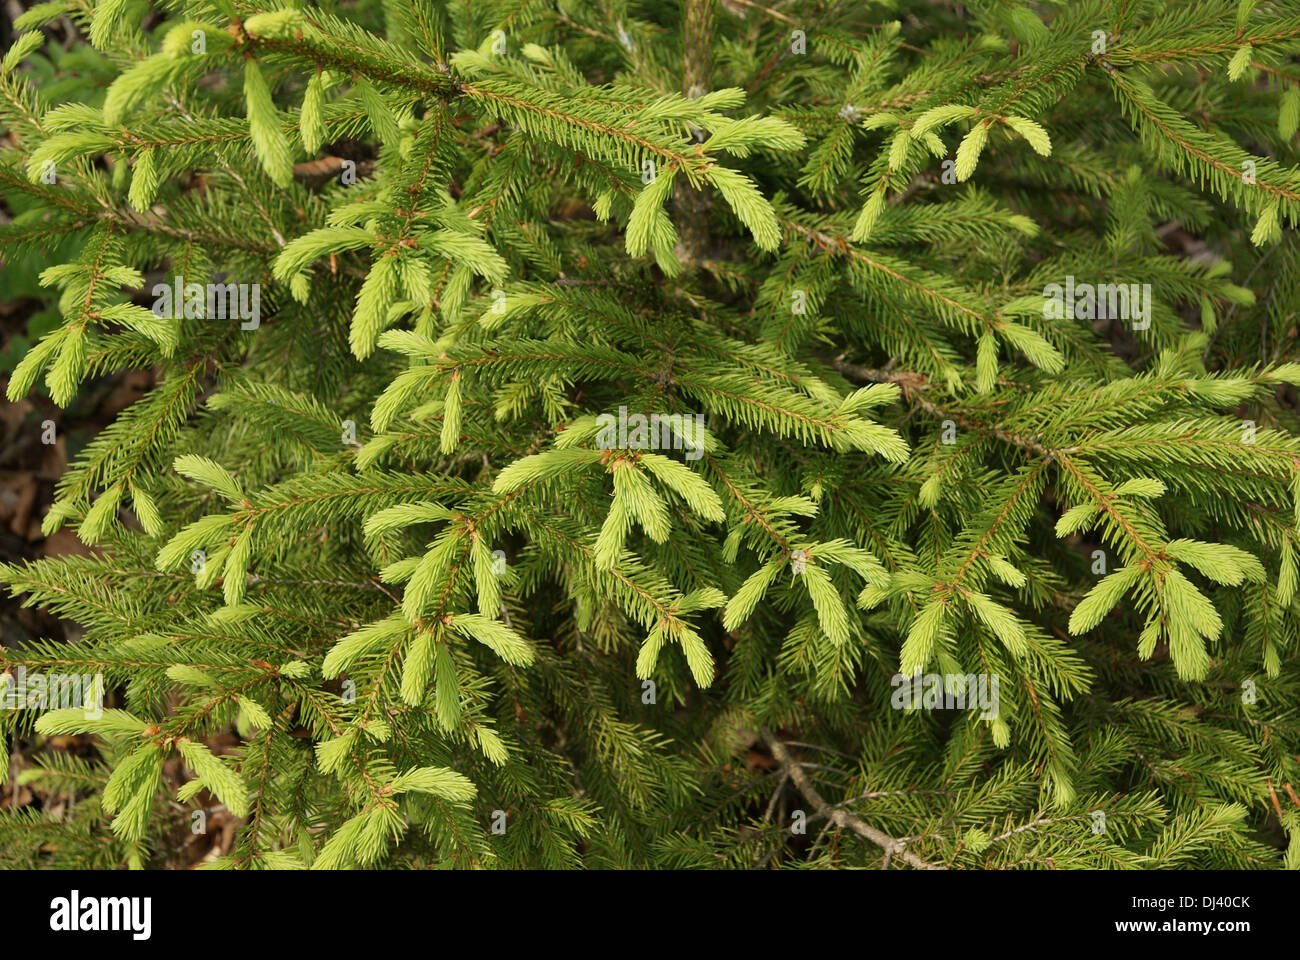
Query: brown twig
[[841, 818]]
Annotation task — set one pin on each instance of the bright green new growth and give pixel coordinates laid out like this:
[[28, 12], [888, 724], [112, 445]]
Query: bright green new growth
[[384, 536]]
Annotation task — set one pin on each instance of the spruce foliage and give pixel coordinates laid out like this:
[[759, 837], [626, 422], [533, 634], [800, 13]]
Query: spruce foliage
[[384, 530]]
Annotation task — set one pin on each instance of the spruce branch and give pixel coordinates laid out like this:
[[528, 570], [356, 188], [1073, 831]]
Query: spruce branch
[[840, 817]]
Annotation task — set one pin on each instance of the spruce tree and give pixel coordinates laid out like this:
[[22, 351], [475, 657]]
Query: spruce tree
[[597, 434]]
